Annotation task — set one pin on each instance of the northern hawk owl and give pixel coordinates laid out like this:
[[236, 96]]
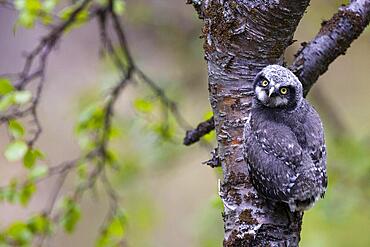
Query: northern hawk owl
[[284, 141]]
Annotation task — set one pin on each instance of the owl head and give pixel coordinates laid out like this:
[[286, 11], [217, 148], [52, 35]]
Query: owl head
[[277, 87]]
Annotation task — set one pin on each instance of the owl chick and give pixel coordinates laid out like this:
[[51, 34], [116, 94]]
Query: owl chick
[[284, 141]]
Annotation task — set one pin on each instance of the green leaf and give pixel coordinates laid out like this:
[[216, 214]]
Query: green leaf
[[118, 7], [15, 128], [81, 17], [113, 233], [82, 170], [15, 150], [26, 193], [31, 157], [10, 192], [5, 86], [28, 5], [32, 10], [72, 214], [39, 154], [6, 101], [22, 97], [49, 5], [28, 12], [20, 4], [143, 105], [27, 19], [85, 142], [116, 228], [112, 157], [91, 118], [114, 132], [39, 224], [19, 232], [38, 172], [33, 5]]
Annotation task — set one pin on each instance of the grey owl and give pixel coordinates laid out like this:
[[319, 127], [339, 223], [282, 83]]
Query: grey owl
[[284, 141]]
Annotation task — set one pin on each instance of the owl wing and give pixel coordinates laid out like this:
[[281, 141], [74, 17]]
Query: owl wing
[[315, 147], [273, 153]]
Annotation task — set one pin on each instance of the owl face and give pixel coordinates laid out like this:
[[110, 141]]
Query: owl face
[[277, 87]]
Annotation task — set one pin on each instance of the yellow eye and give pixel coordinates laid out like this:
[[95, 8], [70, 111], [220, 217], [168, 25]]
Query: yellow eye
[[283, 90], [264, 83]]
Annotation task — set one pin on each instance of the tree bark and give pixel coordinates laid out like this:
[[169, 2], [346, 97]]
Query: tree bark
[[242, 37]]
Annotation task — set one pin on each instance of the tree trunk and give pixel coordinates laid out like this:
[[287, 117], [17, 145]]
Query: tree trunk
[[242, 37]]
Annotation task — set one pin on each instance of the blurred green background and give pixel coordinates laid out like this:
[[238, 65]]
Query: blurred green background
[[169, 197]]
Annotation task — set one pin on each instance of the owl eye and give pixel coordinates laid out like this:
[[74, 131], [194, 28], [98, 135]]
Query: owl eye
[[264, 83], [283, 90]]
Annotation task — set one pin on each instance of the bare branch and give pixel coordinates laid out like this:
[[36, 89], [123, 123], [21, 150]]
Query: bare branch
[[201, 130], [334, 38], [33, 72], [40, 55]]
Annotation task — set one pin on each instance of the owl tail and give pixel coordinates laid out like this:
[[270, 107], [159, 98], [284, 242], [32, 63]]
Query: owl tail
[[307, 189]]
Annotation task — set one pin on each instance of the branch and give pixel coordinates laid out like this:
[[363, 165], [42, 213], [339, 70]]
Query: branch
[[100, 155], [97, 159], [201, 130], [158, 91], [39, 54], [333, 39]]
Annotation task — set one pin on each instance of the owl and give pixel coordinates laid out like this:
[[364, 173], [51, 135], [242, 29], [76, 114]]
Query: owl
[[284, 144]]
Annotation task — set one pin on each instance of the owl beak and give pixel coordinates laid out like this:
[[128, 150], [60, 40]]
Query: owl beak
[[271, 91]]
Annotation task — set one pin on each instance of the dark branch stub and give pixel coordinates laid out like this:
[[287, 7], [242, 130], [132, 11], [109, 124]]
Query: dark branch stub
[[215, 159], [201, 130]]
